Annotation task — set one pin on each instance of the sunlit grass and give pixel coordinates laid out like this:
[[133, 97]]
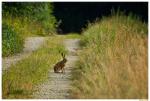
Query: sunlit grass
[[114, 60], [20, 79], [73, 35]]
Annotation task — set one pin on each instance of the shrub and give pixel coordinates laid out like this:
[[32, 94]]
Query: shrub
[[11, 41], [26, 19], [34, 13]]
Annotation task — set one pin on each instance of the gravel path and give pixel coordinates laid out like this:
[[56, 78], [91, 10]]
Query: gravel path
[[58, 84], [31, 44]]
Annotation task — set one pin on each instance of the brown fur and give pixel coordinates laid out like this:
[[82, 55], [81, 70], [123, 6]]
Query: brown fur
[[60, 65]]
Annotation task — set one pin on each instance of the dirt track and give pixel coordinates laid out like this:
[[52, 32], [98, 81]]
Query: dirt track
[[31, 44], [58, 85]]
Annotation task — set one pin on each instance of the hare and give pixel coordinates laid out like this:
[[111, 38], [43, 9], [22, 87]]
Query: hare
[[60, 65]]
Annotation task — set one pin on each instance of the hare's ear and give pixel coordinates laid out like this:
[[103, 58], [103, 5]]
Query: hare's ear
[[64, 56]]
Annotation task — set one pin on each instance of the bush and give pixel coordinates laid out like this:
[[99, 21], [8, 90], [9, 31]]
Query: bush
[[34, 13], [26, 19], [11, 42]]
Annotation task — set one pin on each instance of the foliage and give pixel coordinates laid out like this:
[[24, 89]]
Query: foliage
[[113, 62], [28, 19], [40, 12], [11, 41]]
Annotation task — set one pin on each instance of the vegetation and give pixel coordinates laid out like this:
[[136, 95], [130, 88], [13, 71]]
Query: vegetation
[[114, 60], [27, 19], [112, 64], [19, 81], [11, 41], [73, 36]]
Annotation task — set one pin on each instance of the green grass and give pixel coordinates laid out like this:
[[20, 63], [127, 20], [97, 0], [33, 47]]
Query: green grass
[[73, 35], [21, 78], [113, 62]]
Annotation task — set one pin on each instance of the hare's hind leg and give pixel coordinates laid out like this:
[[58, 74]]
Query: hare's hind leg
[[55, 70]]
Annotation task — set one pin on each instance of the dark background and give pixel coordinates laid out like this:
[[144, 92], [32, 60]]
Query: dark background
[[75, 15]]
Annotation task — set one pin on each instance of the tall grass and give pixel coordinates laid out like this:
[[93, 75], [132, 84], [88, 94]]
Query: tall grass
[[20, 79], [114, 60]]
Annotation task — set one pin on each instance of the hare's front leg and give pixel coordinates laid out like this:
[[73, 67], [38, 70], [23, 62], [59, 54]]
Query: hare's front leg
[[63, 70]]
